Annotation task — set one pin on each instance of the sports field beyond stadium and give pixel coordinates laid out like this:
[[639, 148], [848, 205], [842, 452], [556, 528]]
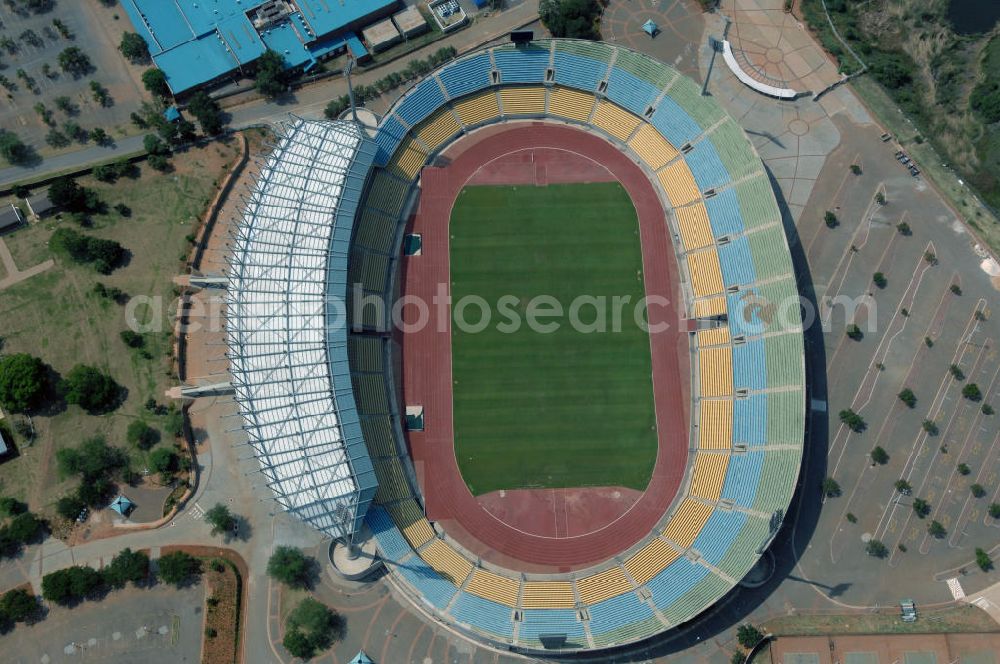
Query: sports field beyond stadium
[[560, 409]]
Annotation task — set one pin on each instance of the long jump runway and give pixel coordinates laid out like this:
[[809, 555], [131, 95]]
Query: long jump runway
[[538, 530]]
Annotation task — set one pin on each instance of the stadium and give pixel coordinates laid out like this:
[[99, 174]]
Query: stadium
[[500, 506]]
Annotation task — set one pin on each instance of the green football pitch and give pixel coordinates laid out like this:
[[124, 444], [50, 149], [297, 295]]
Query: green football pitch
[[569, 408]]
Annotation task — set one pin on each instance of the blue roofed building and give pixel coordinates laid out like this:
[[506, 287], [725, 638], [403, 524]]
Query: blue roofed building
[[196, 42]]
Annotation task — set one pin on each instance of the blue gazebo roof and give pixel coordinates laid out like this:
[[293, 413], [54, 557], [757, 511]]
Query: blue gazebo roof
[[361, 658], [650, 28], [121, 504]]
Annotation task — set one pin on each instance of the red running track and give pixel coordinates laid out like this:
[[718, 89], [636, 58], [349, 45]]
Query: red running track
[[513, 532]]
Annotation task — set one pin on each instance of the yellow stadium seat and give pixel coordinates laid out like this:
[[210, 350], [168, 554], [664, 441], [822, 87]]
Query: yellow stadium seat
[[522, 101], [678, 184], [692, 221], [652, 148], [715, 371], [477, 109], [448, 562], [572, 104], [604, 585], [615, 120], [687, 522], [407, 161], [715, 424], [708, 475], [500, 589], [410, 519], [713, 306], [705, 273], [650, 560], [715, 336], [548, 595], [435, 131]]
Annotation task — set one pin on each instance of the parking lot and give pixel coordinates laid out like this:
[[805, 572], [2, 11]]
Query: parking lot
[[31, 43]]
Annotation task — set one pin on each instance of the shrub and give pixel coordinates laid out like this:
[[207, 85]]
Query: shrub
[[903, 487], [142, 435], [921, 507], [22, 382], [936, 530], [908, 397], [904, 229], [830, 487], [830, 219], [336, 107], [880, 280], [855, 169], [956, 289], [880, 198], [963, 469], [956, 372], [178, 567], [972, 392], [994, 510], [851, 518], [977, 490], [132, 339], [90, 388], [290, 566], [852, 420], [983, 560], [987, 409], [876, 549], [854, 332], [930, 426], [879, 456]]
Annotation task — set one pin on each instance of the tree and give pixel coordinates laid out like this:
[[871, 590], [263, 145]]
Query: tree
[[220, 518], [904, 229], [18, 605], [298, 644], [748, 636], [24, 528], [908, 397], [978, 490], [208, 113], [155, 82], [142, 435], [22, 382], [903, 487], [90, 388], [99, 136], [576, 19], [317, 622], [75, 62], [336, 107], [91, 460], [963, 469], [831, 488], [70, 506], [956, 289], [270, 80], [127, 566], [983, 560], [72, 584], [936, 530], [10, 506], [830, 219], [921, 507], [930, 426], [134, 47], [854, 332], [104, 255], [852, 420], [290, 566], [855, 169], [66, 193], [158, 162], [876, 549], [972, 392], [879, 456], [164, 461], [738, 657], [879, 279], [12, 149], [994, 510], [154, 145], [178, 567]]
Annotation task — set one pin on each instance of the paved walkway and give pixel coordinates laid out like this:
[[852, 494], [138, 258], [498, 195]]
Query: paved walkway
[[15, 275]]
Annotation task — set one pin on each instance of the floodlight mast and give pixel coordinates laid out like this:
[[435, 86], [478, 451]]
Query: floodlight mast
[[350, 88]]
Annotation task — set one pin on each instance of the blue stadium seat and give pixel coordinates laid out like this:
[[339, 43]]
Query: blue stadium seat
[[549, 621], [421, 101], [431, 586], [522, 65], [391, 543], [744, 313], [617, 612], [742, 478], [390, 134], [678, 578], [706, 166], [630, 92], [483, 614], [724, 213], [674, 123], [576, 71], [736, 262], [750, 420], [718, 534], [467, 76], [750, 365]]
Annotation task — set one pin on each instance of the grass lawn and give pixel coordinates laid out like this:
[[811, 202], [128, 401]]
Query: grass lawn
[[56, 315], [563, 409]]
